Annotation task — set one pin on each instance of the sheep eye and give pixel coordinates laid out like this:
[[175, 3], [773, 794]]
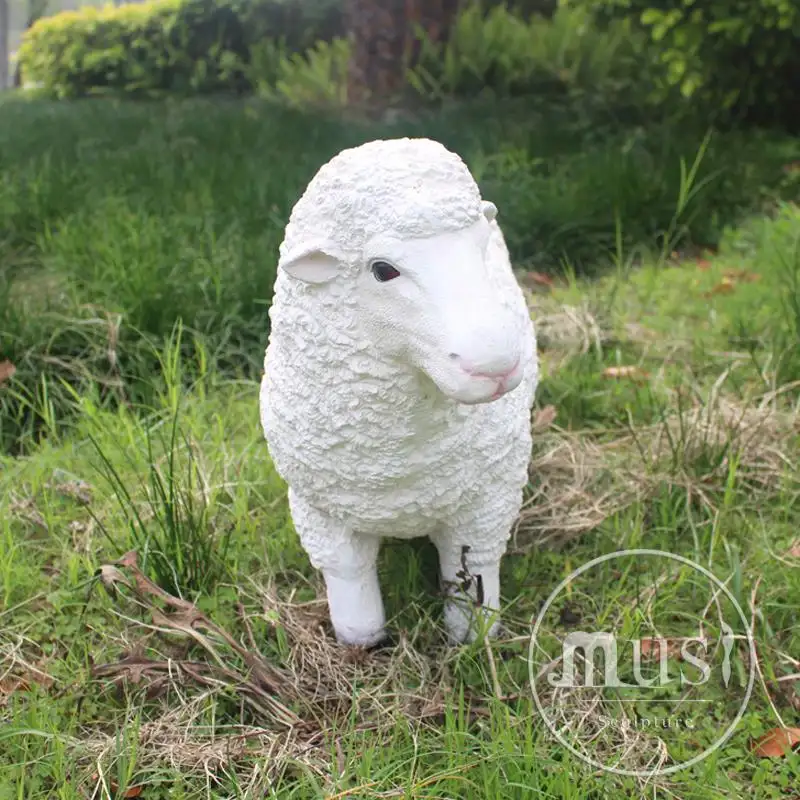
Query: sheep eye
[[384, 271]]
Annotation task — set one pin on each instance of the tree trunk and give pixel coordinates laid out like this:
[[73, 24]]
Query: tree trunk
[[5, 35], [378, 32], [435, 17], [382, 33]]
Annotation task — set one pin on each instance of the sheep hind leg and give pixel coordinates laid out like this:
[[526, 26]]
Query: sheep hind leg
[[348, 562], [472, 593]]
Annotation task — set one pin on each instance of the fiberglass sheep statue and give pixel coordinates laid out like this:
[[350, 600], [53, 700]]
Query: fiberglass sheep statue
[[399, 379]]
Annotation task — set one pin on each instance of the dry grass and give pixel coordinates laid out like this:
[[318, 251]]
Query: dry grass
[[563, 331], [289, 696], [580, 478], [289, 707]]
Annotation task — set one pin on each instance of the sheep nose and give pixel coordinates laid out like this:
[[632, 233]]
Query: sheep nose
[[498, 368]]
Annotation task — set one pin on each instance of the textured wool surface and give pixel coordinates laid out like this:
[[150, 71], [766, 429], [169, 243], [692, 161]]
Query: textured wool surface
[[409, 187], [368, 444]]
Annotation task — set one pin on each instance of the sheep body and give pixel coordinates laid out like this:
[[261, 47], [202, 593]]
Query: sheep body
[[370, 447]]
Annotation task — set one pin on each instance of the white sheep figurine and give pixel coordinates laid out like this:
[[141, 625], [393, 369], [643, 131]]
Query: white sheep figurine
[[399, 379]]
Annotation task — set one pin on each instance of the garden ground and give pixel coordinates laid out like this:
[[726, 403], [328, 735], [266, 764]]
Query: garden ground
[[667, 418]]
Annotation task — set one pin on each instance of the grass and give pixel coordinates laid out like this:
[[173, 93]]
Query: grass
[[136, 213], [667, 418]]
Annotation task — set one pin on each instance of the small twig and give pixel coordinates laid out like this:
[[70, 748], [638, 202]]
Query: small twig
[[498, 692], [756, 663]]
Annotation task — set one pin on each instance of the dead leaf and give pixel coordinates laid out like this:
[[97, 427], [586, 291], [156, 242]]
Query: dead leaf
[[133, 791], [703, 264], [794, 550], [651, 647], [791, 167], [10, 684], [111, 576], [537, 279], [776, 743], [741, 275], [544, 418], [629, 372], [80, 491], [26, 509], [263, 683], [725, 286], [7, 370]]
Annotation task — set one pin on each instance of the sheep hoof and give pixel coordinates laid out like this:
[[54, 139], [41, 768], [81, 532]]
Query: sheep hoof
[[368, 639], [388, 642], [356, 607]]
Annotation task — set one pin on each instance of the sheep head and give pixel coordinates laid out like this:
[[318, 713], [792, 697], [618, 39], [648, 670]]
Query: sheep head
[[419, 251]]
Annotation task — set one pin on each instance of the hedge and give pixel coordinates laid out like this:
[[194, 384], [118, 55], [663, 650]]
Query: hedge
[[295, 48], [740, 58], [166, 45]]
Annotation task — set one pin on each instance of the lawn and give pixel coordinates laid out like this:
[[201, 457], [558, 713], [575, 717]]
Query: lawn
[[138, 244]]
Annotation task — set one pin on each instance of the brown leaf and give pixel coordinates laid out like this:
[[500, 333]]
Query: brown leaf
[[133, 791], [544, 418], [794, 550], [629, 372], [776, 743], [537, 279], [111, 576], [703, 264], [741, 275], [7, 370], [651, 647], [791, 167], [11, 685], [725, 286], [133, 666]]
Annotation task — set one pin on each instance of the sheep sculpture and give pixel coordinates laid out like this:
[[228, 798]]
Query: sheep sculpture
[[398, 379]]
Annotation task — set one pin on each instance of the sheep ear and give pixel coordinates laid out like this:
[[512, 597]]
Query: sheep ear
[[489, 210], [317, 263]]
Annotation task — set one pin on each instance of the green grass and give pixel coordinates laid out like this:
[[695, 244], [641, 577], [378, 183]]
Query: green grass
[[134, 214], [126, 430]]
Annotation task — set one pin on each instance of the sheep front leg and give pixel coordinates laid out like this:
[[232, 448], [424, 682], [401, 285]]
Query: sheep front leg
[[472, 587], [356, 605], [348, 562]]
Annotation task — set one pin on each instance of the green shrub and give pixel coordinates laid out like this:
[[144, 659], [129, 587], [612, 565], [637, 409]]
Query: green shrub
[[160, 45], [494, 52], [739, 57], [294, 49], [166, 45], [317, 77], [501, 53]]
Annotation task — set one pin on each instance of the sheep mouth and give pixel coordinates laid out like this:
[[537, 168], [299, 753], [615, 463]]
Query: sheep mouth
[[476, 390]]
